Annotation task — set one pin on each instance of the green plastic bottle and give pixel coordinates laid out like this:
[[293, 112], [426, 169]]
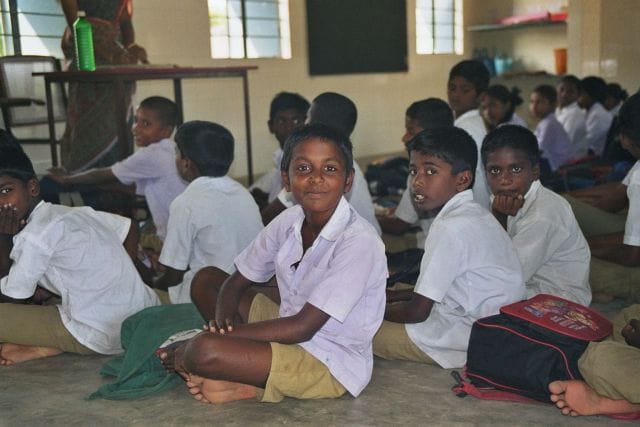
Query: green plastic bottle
[[83, 36]]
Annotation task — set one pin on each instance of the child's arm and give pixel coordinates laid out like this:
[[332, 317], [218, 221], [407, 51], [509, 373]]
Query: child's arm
[[392, 224], [271, 211], [610, 197], [131, 246], [615, 251], [91, 177], [170, 277], [416, 310]]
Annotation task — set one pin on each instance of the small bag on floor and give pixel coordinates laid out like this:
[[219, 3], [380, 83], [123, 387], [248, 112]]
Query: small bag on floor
[[518, 352]]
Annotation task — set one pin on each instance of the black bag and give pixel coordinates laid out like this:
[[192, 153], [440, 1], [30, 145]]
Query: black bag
[[530, 344]]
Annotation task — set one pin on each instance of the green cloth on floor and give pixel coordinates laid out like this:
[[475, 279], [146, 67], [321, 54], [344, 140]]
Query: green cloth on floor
[[139, 372]]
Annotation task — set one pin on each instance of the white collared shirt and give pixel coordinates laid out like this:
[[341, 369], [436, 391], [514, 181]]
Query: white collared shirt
[[632, 226], [210, 223], [469, 269], [343, 274], [553, 141], [553, 252], [515, 120], [574, 121], [153, 170], [271, 182], [472, 122], [598, 124], [77, 253], [358, 196]]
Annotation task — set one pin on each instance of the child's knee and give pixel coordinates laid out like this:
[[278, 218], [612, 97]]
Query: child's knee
[[201, 351]]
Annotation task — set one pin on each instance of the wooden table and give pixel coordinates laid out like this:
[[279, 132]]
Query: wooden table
[[119, 76]]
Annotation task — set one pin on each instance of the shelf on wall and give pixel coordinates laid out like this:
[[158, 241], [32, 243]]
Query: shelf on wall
[[501, 27]]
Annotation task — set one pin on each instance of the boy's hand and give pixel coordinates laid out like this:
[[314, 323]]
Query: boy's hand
[[631, 333], [223, 323], [507, 204], [9, 222]]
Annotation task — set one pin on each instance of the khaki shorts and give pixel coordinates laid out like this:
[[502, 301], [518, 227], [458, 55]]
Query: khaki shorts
[[37, 325], [294, 371], [393, 343]]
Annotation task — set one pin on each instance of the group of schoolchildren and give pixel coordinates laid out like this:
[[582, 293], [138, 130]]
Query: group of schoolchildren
[[494, 235]]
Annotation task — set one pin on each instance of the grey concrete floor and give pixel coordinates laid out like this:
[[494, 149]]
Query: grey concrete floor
[[52, 392]]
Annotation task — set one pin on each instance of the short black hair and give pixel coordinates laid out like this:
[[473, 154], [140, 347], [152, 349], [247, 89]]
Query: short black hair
[[166, 109], [450, 144], [571, 79], [473, 71], [616, 91], [288, 101], [431, 113], [14, 162], [319, 131], [334, 110], [629, 118], [514, 137], [548, 92], [208, 145], [595, 87]]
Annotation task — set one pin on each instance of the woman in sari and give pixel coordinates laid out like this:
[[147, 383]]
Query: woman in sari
[[90, 138]]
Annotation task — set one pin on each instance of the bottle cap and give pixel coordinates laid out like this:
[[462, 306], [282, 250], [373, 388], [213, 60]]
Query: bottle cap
[[81, 14]]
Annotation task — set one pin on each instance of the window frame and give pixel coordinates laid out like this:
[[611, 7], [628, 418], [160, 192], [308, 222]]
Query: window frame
[[457, 32], [14, 33]]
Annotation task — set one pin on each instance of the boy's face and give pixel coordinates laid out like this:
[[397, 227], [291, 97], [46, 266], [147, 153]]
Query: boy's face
[[462, 95], [147, 128], [567, 93], [493, 110], [539, 106], [585, 101], [17, 200], [432, 183], [317, 177], [285, 122], [509, 172], [412, 128]]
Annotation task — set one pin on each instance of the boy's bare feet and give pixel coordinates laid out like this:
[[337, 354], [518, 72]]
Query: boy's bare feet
[[575, 397], [217, 391], [14, 353]]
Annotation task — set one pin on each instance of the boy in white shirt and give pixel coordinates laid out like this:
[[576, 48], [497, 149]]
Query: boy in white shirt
[[552, 250], [287, 113], [339, 112], [571, 116], [468, 81], [151, 170], [213, 219], [79, 254], [331, 271], [470, 268], [593, 91]]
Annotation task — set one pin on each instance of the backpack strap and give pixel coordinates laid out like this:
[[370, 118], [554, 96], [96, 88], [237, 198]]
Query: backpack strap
[[464, 388]]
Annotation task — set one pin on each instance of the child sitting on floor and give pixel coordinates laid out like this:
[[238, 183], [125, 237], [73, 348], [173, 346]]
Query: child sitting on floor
[[428, 113], [552, 250], [213, 219], [470, 268], [151, 169], [339, 112], [553, 140], [79, 254], [330, 267], [468, 81], [610, 370], [498, 107], [287, 114]]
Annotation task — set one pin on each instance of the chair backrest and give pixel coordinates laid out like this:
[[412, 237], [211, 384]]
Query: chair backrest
[[16, 81]]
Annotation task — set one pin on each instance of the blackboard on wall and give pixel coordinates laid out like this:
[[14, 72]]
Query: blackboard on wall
[[357, 36]]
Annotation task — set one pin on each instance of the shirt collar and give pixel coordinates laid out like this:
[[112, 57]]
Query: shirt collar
[[333, 228], [457, 200], [529, 198]]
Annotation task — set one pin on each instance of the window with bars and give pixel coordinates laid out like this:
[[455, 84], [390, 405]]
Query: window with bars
[[439, 26], [31, 27], [249, 28]]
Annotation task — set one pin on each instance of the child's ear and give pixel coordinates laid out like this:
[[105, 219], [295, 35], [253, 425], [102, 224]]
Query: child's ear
[[535, 171], [285, 180], [33, 186], [464, 180], [348, 182]]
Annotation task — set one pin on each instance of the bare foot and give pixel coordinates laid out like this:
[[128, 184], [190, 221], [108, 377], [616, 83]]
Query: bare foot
[[575, 398], [14, 353], [218, 391]]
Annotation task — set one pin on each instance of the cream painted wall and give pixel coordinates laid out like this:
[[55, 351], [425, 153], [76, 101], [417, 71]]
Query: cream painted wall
[[177, 33]]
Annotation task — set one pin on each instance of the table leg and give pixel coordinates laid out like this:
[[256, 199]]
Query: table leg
[[52, 125], [247, 121], [177, 97]]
